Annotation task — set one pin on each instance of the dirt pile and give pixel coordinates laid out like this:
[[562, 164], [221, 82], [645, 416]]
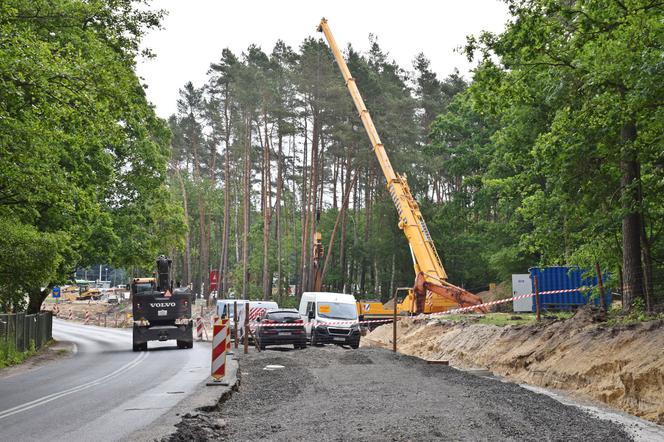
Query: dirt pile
[[622, 366]]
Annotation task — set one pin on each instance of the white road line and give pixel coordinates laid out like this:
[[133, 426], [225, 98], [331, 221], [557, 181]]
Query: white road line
[[51, 397]]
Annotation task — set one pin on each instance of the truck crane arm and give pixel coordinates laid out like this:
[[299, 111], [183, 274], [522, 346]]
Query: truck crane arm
[[429, 271]]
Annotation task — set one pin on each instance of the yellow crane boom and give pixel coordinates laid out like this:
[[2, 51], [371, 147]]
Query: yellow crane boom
[[429, 271]]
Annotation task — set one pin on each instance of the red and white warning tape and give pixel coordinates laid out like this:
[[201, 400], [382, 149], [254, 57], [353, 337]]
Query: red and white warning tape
[[430, 315]]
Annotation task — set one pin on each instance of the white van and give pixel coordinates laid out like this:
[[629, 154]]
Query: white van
[[225, 308], [330, 318]]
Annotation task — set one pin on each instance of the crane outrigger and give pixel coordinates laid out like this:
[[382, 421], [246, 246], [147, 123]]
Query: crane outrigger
[[430, 276]]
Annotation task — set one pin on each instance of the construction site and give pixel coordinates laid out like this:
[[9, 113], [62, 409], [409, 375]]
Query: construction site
[[449, 230]]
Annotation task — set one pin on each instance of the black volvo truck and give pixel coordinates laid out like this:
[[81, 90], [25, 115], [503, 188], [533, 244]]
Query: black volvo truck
[[161, 312]]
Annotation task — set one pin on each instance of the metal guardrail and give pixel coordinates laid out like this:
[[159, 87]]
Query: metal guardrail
[[26, 332]]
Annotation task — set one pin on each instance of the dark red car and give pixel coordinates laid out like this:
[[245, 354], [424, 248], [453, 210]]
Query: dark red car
[[281, 327]]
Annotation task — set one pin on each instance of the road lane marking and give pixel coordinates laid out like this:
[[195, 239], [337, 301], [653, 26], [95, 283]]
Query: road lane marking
[[51, 397]]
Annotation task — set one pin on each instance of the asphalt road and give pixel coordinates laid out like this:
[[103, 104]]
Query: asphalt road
[[334, 394], [103, 392]]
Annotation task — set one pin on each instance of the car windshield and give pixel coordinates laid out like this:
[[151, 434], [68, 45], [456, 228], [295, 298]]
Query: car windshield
[[333, 310], [282, 316]]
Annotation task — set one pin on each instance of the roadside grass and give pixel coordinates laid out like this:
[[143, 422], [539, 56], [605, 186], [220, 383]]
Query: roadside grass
[[505, 319], [10, 356]]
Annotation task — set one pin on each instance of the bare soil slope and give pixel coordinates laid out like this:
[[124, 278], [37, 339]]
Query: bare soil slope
[[622, 366]]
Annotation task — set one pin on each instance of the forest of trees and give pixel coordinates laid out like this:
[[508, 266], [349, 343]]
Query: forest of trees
[[551, 155]]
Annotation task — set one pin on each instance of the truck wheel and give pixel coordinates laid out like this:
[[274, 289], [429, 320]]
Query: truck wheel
[[185, 344], [136, 347], [140, 347]]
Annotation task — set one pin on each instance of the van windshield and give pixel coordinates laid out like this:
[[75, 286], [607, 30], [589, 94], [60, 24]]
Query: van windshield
[[333, 310]]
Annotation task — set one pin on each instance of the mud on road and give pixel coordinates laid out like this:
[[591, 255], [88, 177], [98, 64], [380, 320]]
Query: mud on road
[[333, 394]]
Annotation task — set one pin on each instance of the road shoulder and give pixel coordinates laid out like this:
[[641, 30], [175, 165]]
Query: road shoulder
[[53, 352], [203, 399]]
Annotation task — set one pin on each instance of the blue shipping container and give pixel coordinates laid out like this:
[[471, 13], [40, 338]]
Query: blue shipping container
[[559, 278]]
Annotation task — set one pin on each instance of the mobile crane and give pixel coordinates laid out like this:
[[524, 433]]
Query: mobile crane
[[430, 276]]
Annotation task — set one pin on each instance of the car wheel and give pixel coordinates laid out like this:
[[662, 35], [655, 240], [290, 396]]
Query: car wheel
[[355, 345], [136, 347]]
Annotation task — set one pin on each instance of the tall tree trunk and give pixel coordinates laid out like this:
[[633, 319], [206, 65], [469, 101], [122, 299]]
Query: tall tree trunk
[[236, 223], [313, 195], [267, 277], [246, 208], [225, 236], [277, 211], [367, 220], [204, 262], [187, 238], [305, 216], [342, 241], [340, 215], [335, 178], [631, 223], [646, 256]]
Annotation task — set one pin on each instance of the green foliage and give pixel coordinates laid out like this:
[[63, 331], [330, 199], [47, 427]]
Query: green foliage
[[82, 155], [537, 143], [9, 355]]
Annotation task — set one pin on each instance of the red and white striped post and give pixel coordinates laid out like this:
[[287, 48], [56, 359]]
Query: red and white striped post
[[219, 342], [88, 317], [200, 328]]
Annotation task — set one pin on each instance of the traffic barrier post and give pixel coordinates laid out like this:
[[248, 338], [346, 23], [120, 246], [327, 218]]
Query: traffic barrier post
[[235, 323], [537, 300], [219, 338], [600, 286], [246, 328], [394, 325]]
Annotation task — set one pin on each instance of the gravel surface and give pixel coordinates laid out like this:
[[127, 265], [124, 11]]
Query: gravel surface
[[333, 394]]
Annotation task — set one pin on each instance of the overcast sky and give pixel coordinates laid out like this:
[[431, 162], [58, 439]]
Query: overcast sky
[[195, 32]]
